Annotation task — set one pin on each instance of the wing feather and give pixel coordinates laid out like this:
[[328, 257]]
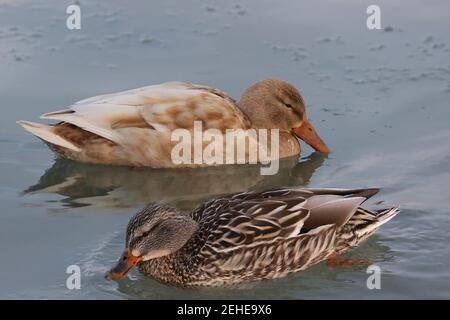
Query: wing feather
[[162, 107], [253, 218]]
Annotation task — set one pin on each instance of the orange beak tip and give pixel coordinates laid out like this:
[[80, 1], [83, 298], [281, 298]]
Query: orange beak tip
[[125, 264], [308, 134], [324, 150], [110, 276]]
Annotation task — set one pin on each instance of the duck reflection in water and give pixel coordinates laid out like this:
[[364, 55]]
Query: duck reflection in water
[[119, 187]]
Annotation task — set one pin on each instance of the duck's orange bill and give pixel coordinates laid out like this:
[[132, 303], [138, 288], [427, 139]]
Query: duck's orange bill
[[307, 133], [126, 262]]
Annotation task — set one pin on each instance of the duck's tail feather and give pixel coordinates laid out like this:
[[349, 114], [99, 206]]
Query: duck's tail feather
[[366, 221], [363, 224], [70, 116], [385, 215], [379, 218], [48, 134]]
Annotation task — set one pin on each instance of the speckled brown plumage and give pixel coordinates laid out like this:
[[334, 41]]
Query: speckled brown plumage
[[257, 235]]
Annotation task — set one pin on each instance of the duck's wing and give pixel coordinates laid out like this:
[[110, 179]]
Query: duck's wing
[[268, 234], [252, 218], [164, 107]]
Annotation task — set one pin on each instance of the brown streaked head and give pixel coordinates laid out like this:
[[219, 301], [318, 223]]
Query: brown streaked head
[[155, 231]]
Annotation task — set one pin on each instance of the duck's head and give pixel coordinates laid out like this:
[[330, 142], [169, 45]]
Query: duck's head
[[276, 104], [154, 232]]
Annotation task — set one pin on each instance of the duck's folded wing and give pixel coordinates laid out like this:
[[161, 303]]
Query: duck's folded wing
[[253, 218], [164, 107]]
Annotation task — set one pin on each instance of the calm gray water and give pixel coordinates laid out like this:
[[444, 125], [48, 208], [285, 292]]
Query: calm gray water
[[380, 99]]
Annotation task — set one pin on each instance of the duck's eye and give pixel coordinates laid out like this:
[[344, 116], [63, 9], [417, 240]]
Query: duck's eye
[[289, 106]]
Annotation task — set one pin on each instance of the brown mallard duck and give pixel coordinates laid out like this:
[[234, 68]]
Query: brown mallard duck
[[134, 127], [247, 236]]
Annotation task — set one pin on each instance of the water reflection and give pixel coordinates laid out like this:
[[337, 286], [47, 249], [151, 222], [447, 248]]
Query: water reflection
[[108, 186]]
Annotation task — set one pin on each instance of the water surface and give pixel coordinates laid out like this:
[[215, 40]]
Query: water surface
[[378, 98]]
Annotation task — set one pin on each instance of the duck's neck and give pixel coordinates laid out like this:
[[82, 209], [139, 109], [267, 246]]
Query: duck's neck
[[186, 228], [253, 105]]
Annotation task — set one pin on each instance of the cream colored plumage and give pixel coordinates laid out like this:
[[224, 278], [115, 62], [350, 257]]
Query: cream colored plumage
[[134, 127]]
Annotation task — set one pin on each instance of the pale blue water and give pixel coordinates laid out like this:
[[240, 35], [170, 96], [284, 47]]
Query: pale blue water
[[380, 99]]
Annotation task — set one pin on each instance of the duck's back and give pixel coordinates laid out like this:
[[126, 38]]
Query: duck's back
[[134, 127]]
